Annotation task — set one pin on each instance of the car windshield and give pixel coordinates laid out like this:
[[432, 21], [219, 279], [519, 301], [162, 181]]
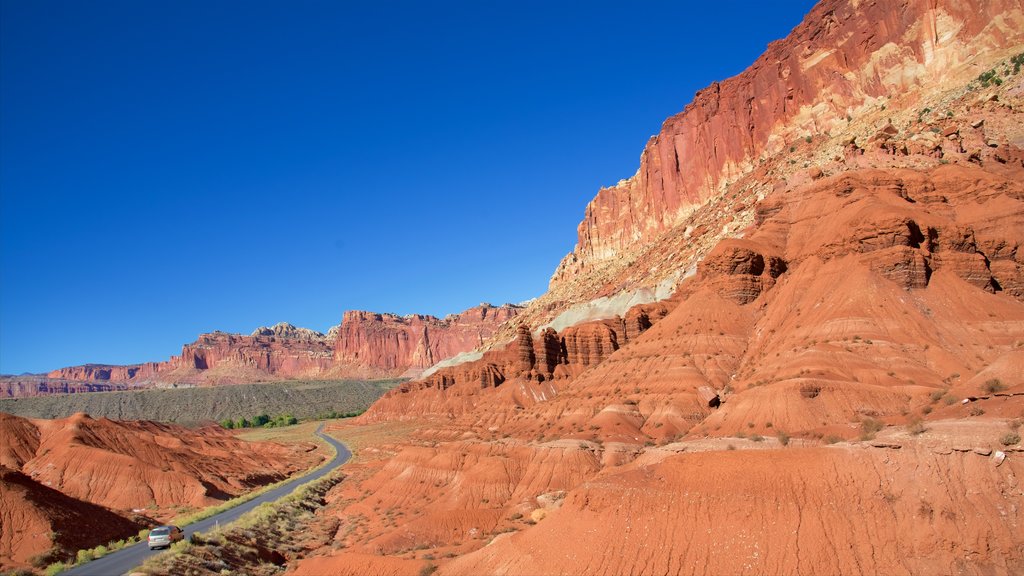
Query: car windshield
[[160, 531]]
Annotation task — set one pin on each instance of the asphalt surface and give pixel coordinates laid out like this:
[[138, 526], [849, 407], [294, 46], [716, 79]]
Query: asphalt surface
[[125, 559]]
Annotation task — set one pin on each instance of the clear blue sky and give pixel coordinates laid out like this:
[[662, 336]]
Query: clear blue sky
[[171, 168]]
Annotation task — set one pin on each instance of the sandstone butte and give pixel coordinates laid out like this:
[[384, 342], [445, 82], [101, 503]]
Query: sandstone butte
[[78, 482], [792, 342], [365, 345]]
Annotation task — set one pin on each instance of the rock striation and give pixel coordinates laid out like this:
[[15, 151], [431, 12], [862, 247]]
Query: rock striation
[[839, 62]]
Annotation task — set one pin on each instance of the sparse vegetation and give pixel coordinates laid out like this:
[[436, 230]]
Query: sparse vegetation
[[1010, 439], [256, 543], [916, 427], [993, 385], [990, 77], [869, 427], [1017, 61], [810, 390], [303, 400], [783, 438]]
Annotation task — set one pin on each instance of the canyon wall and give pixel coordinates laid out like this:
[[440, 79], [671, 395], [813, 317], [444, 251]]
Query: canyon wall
[[391, 344]]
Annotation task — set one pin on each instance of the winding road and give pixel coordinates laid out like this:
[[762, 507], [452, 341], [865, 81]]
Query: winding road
[[124, 560]]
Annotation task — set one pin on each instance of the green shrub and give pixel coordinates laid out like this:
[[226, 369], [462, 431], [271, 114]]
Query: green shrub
[[84, 556], [55, 568]]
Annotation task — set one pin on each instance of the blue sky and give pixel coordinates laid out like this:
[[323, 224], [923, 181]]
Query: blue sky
[[171, 168]]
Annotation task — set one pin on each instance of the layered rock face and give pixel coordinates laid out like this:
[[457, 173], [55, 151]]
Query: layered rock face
[[843, 58], [104, 474], [391, 345], [237, 358], [365, 345]]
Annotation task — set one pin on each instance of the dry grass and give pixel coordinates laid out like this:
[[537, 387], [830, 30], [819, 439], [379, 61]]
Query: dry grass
[[360, 436]]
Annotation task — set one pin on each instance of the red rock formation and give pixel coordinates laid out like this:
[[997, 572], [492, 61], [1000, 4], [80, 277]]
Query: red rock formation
[[39, 520], [41, 385], [105, 373], [530, 360], [79, 469], [732, 512], [366, 344], [839, 60], [387, 344]]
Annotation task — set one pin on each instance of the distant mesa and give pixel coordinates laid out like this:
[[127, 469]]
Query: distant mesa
[[364, 345]]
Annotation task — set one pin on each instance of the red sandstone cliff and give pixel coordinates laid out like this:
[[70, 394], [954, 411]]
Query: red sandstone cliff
[[392, 345], [843, 62], [366, 344]]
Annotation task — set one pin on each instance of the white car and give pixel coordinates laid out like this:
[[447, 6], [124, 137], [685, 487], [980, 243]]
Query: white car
[[164, 536]]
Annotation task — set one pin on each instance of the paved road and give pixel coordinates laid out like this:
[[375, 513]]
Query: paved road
[[124, 560]]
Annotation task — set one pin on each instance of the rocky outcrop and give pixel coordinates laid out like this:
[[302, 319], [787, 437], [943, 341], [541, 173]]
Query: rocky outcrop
[[281, 356], [388, 344], [288, 331], [537, 360], [795, 90], [105, 372]]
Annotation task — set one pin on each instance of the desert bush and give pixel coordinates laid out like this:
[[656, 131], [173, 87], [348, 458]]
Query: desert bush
[[1010, 439], [869, 427], [993, 385], [55, 568], [832, 439], [84, 556], [44, 559], [783, 438], [916, 427], [810, 390]]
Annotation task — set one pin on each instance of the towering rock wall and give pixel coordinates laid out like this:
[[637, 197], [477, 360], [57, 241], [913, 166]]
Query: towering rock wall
[[843, 58], [391, 344]]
